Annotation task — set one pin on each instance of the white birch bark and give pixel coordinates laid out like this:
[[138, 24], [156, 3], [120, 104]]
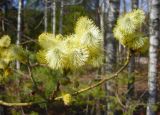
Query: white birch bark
[[19, 32], [54, 17], [45, 15], [135, 4], [64, 3], [153, 54], [110, 47], [124, 6], [61, 18]]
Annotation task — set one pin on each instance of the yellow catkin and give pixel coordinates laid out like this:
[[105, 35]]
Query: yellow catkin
[[5, 41], [67, 99], [127, 31]]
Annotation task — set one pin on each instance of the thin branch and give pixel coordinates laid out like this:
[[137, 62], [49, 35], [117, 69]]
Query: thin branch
[[31, 76], [103, 80], [18, 72], [106, 79], [77, 92], [19, 104], [119, 100], [29, 38], [41, 21], [26, 42], [38, 64]]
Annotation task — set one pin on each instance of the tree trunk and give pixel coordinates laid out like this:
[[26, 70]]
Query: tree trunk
[[153, 54], [131, 78], [103, 8], [142, 4], [131, 66], [54, 17], [135, 4], [61, 18], [97, 19], [98, 109], [110, 48], [19, 34], [3, 25], [148, 5], [2, 109], [19, 28], [45, 16], [124, 6], [121, 50]]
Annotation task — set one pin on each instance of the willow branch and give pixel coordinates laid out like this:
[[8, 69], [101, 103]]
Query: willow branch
[[77, 92], [31, 76], [26, 42], [106, 79], [103, 80], [19, 104], [119, 100]]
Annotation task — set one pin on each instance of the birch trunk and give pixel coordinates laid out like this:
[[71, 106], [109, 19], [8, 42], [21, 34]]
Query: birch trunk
[[5, 13], [124, 6], [61, 18], [131, 66], [45, 16], [19, 28], [3, 25], [121, 50], [131, 78], [135, 4], [103, 9], [54, 17], [148, 5], [142, 3], [110, 48], [153, 54]]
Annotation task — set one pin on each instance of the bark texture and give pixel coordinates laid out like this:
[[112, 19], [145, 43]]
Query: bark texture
[[61, 17], [54, 17], [153, 54], [135, 4], [131, 66], [110, 47], [45, 16], [19, 28], [124, 6], [131, 78]]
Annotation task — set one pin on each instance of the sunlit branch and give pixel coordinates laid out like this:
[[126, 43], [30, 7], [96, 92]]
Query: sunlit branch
[[77, 92], [19, 104], [103, 80]]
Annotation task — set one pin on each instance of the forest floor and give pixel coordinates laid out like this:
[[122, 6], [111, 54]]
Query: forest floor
[[140, 85]]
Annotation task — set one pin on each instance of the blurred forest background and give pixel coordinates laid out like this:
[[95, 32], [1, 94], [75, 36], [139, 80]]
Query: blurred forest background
[[134, 92]]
